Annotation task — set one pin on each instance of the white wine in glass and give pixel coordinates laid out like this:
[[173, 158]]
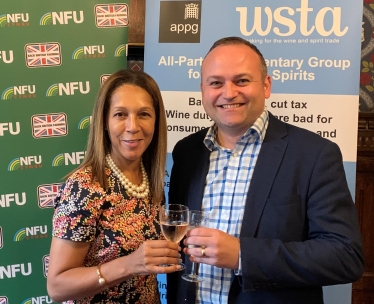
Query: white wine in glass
[[197, 219], [174, 220]]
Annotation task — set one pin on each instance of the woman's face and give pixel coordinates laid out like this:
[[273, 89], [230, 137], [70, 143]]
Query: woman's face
[[131, 124]]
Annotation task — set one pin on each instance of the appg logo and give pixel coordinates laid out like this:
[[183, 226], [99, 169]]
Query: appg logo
[[84, 123], [18, 92], [180, 22], [26, 162], [16, 19], [89, 51], [112, 15]]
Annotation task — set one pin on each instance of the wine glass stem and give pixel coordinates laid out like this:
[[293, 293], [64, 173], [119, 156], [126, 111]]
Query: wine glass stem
[[195, 268]]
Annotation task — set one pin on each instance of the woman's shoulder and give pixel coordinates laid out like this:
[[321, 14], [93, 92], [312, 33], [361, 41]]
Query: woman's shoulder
[[82, 178], [79, 175]]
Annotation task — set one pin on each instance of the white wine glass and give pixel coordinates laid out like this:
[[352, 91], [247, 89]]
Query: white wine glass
[[197, 219], [174, 220]]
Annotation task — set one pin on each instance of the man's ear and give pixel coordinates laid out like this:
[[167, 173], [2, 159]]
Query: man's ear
[[267, 86]]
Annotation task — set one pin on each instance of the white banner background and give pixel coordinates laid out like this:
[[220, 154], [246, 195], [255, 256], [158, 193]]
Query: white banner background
[[313, 54]]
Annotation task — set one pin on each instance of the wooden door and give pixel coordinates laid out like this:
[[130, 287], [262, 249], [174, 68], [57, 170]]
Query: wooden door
[[363, 289]]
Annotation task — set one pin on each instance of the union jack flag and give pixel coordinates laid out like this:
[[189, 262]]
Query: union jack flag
[[45, 265], [43, 54], [46, 194], [112, 15], [49, 125], [104, 77], [3, 300]]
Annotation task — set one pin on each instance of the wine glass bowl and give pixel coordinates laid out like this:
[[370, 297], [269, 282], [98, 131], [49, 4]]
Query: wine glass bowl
[[197, 219], [174, 221]]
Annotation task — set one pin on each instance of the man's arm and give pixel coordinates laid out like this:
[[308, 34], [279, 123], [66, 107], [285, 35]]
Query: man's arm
[[311, 238]]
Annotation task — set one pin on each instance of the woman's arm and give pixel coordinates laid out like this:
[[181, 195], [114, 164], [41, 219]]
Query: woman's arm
[[69, 279]]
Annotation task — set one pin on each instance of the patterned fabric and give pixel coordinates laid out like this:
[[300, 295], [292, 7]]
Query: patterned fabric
[[115, 226], [227, 184]]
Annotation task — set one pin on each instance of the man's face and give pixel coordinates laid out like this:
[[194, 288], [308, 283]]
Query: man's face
[[233, 88]]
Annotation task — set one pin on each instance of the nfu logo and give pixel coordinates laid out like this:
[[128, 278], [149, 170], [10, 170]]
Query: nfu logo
[[36, 232], [69, 88], [180, 21], [66, 159], [6, 56], [27, 162], [9, 127], [17, 19], [16, 198], [11, 271], [84, 123], [61, 18], [90, 51], [37, 300], [286, 16], [121, 50], [17, 92]]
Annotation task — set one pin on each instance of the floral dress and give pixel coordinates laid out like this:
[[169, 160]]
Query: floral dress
[[114, 224]]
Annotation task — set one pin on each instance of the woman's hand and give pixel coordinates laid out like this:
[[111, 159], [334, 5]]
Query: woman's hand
[[151, 254]]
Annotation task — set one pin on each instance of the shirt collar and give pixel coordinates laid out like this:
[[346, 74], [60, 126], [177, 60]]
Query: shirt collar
[[257, 129]]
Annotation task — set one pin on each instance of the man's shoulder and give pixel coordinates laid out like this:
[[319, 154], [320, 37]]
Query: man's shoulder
[[297, 133]]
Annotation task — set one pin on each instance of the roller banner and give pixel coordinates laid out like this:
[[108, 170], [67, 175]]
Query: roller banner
[[312, 49], [53, 57]]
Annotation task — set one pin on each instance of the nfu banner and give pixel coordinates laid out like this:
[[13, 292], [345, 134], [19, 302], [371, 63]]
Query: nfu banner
[[312, 49], [54, 55]]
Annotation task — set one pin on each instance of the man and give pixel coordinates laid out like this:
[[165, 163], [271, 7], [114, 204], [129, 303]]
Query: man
[[282, 220]]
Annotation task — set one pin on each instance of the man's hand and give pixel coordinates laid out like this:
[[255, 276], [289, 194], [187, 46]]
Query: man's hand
[[221, 249]]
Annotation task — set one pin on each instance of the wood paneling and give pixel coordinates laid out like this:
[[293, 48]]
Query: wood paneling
[[136, 22], [363, 289]]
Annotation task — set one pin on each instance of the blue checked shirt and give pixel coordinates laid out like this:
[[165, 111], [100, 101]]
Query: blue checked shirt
[[229, 176]]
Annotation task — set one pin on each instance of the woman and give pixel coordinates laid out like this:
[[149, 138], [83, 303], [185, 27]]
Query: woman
[[106, 245]]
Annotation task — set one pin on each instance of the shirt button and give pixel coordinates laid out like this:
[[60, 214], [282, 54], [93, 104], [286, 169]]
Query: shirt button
[[216, 282], [235, 154], [225, 216]]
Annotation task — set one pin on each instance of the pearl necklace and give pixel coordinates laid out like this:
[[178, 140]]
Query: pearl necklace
[[141, 191]]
